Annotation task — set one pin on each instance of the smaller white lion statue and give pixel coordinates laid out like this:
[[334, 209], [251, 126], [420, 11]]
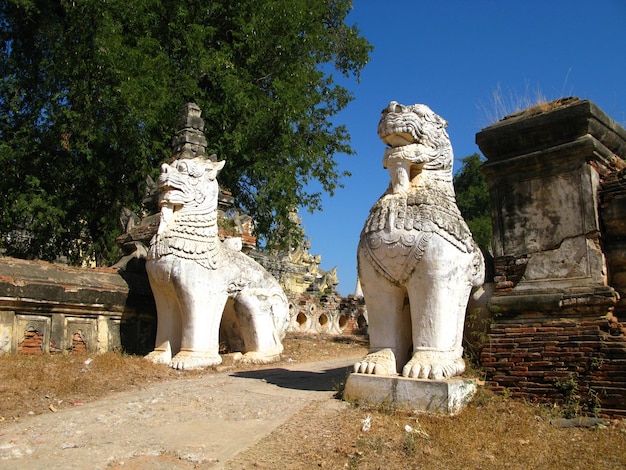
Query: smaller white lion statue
[[201, 285]]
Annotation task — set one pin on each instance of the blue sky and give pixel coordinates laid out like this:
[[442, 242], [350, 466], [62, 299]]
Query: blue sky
[[453, 56]]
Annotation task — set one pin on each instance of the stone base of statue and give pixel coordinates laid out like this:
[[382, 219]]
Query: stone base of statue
[[446, 396]]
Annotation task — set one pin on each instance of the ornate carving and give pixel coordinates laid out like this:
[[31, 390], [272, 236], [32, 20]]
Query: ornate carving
[[416, 247], [199, 282], [194, 235]]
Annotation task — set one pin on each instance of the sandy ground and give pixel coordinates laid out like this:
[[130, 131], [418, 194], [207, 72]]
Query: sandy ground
[[195, 423]]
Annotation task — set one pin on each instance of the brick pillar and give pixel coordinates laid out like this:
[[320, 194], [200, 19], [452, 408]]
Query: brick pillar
[[555, 334]]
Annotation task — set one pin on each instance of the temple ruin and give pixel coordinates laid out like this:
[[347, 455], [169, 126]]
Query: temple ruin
[[557, 180]]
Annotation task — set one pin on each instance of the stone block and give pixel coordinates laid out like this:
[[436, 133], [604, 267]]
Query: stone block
[[7, 320], [431, 396], [546, 168]]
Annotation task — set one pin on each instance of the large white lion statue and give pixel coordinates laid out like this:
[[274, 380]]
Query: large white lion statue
[[200, 283], [416, 256]]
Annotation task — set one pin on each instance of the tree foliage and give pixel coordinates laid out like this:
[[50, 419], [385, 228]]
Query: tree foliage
[[90, 92], [472, 197]]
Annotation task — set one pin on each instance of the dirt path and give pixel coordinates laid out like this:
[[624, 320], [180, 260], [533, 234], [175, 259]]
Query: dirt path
[[172, 425]]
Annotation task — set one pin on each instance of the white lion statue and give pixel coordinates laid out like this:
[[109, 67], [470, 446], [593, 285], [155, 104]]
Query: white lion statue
[[416, 257], [200, 283]]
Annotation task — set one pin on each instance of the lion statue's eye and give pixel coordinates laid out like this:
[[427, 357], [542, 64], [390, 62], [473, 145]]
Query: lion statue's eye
[[182, 167], [196, 170]]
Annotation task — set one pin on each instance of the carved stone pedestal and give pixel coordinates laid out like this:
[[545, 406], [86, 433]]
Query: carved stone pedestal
[[431, 396]]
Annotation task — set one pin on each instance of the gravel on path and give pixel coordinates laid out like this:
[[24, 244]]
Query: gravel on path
[[182, 424]]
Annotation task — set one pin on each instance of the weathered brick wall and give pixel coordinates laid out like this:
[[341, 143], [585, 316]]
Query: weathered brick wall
[[613, 215], [556, 175], [508, 271], [31, 343], [578, 362], [47, 308]]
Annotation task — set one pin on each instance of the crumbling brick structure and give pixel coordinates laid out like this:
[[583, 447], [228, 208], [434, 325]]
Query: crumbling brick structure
[[48, 308], [327, 314], [555, 174]]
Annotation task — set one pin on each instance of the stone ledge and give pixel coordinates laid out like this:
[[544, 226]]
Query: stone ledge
[[563, 121], [430, 396]]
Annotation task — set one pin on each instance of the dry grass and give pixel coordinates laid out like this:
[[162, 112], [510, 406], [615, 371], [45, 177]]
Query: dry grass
[[510, 104], [492, 432], [504, 103], [31, 385], [542, 107]]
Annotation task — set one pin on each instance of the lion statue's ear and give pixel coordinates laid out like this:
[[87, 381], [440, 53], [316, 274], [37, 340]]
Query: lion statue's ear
[[436, 119], [213, 168], [429, 115]]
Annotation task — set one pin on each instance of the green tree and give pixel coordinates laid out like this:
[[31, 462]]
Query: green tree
[[472, 197], [90, 92]]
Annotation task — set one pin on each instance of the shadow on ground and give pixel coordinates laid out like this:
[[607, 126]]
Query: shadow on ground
[[323, 381]]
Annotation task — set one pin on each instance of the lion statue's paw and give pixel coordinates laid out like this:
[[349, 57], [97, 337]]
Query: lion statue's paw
[[433, 365], [256, 357], [381, 362], [187, 360], [159, 356]]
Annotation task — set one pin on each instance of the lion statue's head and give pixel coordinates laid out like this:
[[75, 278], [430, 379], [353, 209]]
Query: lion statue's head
[[188, 197], [418, 134], [189, 184]]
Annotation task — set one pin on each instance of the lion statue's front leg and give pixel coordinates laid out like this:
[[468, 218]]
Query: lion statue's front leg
[[416, 257], [189, 311]]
